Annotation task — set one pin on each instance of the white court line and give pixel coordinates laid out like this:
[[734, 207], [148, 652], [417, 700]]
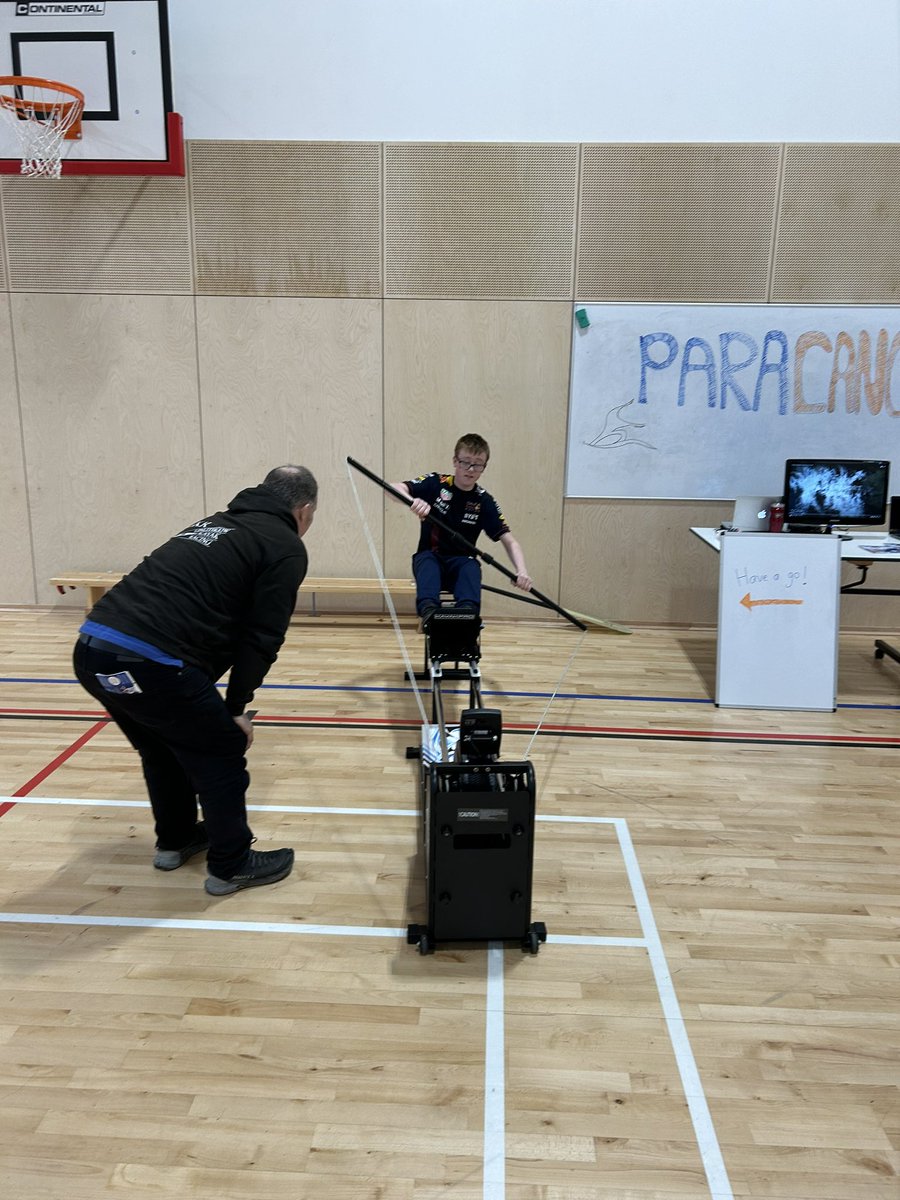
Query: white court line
[[494, 1179], [704, 1130], [291, 808], [586, 939], [494, 1155], [201, 923], [197, 923], [279, 808]]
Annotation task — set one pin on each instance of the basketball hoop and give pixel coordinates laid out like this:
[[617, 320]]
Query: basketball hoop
[[41, 114]]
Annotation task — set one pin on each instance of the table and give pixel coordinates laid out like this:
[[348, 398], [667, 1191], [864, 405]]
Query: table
[[860, 549], [852, 550]]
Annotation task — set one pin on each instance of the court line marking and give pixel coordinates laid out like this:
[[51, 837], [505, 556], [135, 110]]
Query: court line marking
[[204, 924], [494, 1125], [277, 808], [502, 693], [63, 756], [516, 728], [704, 1130], [494, 1152]]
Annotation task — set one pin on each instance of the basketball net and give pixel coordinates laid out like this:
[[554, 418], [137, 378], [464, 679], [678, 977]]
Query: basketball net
[[41, 114]]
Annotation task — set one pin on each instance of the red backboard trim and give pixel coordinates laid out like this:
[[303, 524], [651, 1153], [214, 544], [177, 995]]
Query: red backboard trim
[[173, 165]]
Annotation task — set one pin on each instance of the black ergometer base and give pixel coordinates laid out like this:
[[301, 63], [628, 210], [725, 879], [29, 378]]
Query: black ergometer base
[[479, 848], [420, 935], [479, 813]]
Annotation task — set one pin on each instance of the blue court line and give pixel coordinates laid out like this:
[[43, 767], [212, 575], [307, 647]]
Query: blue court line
[[406, 691]]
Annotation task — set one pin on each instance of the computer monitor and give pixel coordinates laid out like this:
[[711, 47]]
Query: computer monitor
[[835, 491]]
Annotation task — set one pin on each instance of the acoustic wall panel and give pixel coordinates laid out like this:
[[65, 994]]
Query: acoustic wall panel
[[286, 218], [111, 427], [17, 574], [839, 219], [480, 221], [97, 234], [4, 273], [296, 380], [676, 222], [637, 560]]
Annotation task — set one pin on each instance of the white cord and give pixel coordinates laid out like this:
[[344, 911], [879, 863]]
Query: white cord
[[411, 675], [555, 691]]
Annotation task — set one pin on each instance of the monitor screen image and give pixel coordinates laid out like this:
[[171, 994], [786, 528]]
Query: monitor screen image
[[835, 491]]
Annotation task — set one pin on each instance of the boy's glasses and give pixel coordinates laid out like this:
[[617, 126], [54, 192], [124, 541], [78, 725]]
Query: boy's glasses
[[468, 465]]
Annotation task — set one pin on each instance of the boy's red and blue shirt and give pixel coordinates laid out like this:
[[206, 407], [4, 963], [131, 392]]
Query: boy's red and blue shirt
[[468, 513]]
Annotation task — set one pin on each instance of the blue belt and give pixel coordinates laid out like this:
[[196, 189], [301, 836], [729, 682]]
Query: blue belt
[[120, 652]]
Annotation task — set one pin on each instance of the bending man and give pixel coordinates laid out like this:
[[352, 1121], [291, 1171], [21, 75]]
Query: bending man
[[218, 595]]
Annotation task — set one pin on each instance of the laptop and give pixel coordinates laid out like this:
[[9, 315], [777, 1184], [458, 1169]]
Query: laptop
[[751, 513]]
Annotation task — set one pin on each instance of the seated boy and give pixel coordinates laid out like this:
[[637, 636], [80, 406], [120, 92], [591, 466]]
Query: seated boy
[[441, 562]]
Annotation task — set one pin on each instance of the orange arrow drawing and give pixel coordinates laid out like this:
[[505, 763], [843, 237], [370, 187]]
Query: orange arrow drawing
[[751, 604]]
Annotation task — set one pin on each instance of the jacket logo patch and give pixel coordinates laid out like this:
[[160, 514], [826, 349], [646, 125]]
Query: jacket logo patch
[[204, 533]]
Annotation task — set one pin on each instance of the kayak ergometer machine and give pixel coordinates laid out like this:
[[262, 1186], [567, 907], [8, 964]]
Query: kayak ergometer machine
[[478, 809]]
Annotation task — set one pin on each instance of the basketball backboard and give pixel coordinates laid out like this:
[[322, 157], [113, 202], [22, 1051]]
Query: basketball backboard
[[117, 53]]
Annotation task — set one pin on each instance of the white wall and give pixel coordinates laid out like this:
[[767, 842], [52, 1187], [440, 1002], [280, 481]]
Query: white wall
[[538, 70]]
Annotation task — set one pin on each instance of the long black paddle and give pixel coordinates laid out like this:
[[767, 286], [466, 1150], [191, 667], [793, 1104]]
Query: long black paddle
[[592, 622], [471, 549]]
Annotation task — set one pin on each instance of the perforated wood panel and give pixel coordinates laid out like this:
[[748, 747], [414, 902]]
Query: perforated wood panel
[[838, 228], [17, 576], [671, 579], [111, 427], [291, 379], [480, 221], [676, 222], [4, 284], [286, 218], [97, 234]]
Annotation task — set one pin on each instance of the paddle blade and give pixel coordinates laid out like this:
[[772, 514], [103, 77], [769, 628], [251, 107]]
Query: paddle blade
[[599, 624]]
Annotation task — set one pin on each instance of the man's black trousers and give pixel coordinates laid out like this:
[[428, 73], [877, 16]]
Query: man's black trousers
[[191, 750]]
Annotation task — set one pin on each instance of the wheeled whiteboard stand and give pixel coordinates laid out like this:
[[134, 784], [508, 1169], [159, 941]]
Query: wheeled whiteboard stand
[[478, 811]]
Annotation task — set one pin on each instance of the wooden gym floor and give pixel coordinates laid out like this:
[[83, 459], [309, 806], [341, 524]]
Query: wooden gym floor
[[716, 1012]]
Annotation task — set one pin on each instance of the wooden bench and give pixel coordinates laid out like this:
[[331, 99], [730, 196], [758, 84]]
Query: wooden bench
[[98, 582]]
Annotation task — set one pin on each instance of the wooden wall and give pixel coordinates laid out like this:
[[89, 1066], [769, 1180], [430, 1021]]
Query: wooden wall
[[166, 341]]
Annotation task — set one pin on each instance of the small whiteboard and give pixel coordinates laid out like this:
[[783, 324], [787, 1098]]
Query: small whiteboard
[[779, 607]]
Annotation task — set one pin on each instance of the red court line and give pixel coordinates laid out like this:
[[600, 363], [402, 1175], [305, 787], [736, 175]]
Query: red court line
[[624, 730], [53, 712], [56, 762], [650, 731]]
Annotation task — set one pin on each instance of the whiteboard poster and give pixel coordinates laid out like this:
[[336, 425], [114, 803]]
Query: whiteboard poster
[[779, 609], [708, 401]]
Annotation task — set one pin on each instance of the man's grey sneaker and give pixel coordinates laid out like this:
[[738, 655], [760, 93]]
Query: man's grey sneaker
[[170, 860], [262, 866]]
